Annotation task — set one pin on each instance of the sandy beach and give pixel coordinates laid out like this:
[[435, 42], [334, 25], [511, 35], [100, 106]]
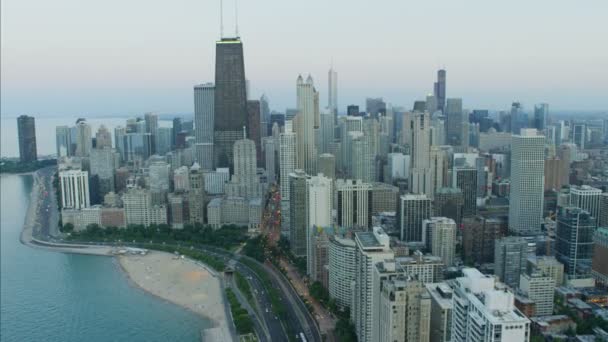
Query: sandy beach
[[183, 282]]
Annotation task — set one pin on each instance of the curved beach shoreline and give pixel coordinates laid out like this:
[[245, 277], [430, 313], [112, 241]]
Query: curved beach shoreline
[[181, 281]]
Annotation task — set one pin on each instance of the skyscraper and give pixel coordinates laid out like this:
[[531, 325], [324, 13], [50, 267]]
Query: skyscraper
[[541, 116], [84, 142], [375, 107], [421, 181], [63, 139], [527, 182], [74, 189], [587, 198], [510, 257], [26, 129], [439, 89], [287, 164], [574, 241], [305, 124], [254, 129], [297, 213], [413, 210], [103, 138], [454, 122], [230, 99], [332, 93], [353, 203], [440, 236], [465, 179], [204, 99]]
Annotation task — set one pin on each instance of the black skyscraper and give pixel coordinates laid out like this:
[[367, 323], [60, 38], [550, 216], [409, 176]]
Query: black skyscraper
[[230, 114], [440, 89], [26, 129]]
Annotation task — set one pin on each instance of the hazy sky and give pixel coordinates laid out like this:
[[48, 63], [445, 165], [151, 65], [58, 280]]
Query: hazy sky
[[132, 56]]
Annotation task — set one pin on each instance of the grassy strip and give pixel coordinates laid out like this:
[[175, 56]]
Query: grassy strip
[[241, 318], [243, 286]]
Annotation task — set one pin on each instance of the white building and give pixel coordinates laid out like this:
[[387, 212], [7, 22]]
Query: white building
[[483, 310], [215, 181], [398, 166], [74, 189], [319, 197], [372, 247], [140, 210], [540, 289], [287, 165], [352, 203], [308, 113], [181, 179], [342, 252], [527, 182], [440, 236], [587, 198], [420, 172]]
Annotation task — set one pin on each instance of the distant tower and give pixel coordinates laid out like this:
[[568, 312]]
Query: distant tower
[[204, 97], [332, 92], [439, 90], [230, 99], [26, 129], [420, 172], [305, 125], [454, 122], [287, 165], [84, 142], [527, 182]]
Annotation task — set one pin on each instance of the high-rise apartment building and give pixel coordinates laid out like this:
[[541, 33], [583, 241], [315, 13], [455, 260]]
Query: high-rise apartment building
[[440, 235], [297, 213], [527, 182], [84, 142], [548, 266], [421, 181], [574, 241], [353, 203], [440, 90], [465, 179], [26, 131], [63, 140], [510, 257], [448, 202], [287, 164], [372, 247], [74, 189], [102, 165], [539, 288], [441, 311], [479, 235], [230, 99], [482, 308], [319, 196], [308, 109], [413, 210], [140, 210], [197, 195], [342, 269]]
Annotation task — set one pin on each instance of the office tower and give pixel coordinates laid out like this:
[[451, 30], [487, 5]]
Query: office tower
[[599, 267], [63, 139], [440, 90], [574, 241], [151, 122], [372, 247], [384, 198], [204, 105], [441, 311], [579, 135], [26, 131], [465, 179], [375, 107], [163, 140], [541, 116], [479, 235], [264, 116], [327, 165], [440, 236], [254, 130], [527, 182], [159, 181], [404, 311], [103, 164], [319, 196], [362, 157], [297, 213], [482, 308], [197, 196], [398, 167], [421, 181], [307, 110], [84, 142], [74, 189], [413, 210], [431, 104], [342, 269], [332, 93], [103, 138], [454, 122], [603, 222], [448, 202], [352, 110], [519, 119], [353, 203], [327, 132], [177, 128], [510, 255], [245, 180], [540, 289], [587, 198], [140, 210], [270, 159], [287, 164], [548, 266], [230, 98]]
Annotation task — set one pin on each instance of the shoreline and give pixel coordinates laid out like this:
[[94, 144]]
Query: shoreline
[[135, 273]]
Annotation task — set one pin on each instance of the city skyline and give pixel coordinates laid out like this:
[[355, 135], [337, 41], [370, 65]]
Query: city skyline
[[122, 70]]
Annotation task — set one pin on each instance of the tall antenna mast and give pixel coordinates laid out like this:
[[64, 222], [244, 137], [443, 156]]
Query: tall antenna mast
[[236, 17], [221, 19]]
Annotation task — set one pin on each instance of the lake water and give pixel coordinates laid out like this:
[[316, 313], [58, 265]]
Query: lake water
[[48, 296]]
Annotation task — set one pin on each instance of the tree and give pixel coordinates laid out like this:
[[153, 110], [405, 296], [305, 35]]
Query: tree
[[67, 228]]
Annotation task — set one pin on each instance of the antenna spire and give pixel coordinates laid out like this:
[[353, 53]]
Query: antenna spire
[[236, 16], [221, 19]]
